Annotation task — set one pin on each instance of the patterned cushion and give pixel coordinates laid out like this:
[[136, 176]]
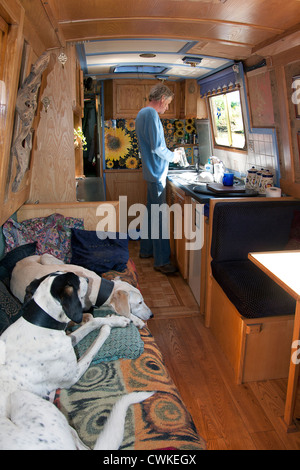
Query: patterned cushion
[[52, 234], [161, 422], [10, 308], [121, 343]]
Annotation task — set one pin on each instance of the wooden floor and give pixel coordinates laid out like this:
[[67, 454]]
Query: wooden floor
[[228, 416]]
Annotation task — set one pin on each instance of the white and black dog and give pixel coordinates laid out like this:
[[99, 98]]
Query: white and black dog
[[37, 357], [121, 296]]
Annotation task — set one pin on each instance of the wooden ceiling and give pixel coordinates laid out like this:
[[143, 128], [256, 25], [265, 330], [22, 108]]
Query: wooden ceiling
[[231, 29]]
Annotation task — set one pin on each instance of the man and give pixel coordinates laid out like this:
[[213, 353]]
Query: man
[[155, 162]]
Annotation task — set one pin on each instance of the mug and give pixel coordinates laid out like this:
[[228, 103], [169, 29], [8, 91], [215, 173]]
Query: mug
[[228, 179]]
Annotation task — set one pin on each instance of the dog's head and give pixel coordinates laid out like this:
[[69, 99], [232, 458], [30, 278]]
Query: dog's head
[[128, 300], [60, 291]]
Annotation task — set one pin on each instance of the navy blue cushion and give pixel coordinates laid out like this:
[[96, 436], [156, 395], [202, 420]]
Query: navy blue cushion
[[242, 227], [99, 255], [10, 308], [8, 262], [251, 291]]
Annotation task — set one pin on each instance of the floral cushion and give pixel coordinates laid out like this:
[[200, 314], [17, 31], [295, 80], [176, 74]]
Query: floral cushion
[[52, 234]]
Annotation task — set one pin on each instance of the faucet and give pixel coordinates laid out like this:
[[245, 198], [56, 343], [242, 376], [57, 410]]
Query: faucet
[[197, 164], [197, 159]]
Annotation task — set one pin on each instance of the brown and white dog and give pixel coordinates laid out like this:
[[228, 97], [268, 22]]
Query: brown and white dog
[[125, 299]]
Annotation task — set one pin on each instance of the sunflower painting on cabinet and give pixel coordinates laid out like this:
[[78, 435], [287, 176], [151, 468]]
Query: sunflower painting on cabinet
[[121, 145]]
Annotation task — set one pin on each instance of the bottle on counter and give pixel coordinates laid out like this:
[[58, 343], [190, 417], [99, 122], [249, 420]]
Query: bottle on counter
[[209, 166]]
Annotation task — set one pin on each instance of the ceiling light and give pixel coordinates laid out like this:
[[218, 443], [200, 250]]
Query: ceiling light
[[192, 61], [147, 55], [152, 69]]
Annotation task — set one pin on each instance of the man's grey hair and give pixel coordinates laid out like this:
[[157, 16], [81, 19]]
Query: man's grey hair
[[159, 91]]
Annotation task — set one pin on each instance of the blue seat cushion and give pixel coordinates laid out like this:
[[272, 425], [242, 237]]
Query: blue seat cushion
[[251, 291], [242, 227]]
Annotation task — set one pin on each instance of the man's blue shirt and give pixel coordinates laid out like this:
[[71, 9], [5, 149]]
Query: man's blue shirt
[[155, 154]]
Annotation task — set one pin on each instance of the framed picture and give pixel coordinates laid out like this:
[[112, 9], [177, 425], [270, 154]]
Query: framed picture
[[296, 95]]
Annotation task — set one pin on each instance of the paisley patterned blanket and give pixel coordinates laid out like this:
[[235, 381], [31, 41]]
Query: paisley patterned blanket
[[161, 422]]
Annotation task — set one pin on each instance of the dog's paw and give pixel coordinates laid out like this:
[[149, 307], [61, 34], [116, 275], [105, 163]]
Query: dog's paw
[[137, 322], [116, 320]]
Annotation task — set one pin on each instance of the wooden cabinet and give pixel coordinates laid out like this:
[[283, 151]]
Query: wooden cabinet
[[191, 104], [129, 183], [129, 99], [179, 253], [124, 98]]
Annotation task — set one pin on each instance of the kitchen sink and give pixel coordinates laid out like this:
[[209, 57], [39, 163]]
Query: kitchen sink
[[185, 176]]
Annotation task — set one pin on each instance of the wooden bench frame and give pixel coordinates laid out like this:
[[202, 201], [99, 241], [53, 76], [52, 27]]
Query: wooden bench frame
[[257, 349], [88, 211]]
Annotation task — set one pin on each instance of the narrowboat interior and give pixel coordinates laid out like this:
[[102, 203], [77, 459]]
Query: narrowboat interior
[[222, 350]]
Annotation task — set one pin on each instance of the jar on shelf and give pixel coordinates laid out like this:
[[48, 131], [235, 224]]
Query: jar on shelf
[[251, 178]]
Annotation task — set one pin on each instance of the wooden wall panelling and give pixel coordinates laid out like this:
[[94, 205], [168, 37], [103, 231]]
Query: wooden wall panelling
[[260, 98], [3, 41], [91, 212], [284, 67], [53, 172], [10, 74], [291, 71]]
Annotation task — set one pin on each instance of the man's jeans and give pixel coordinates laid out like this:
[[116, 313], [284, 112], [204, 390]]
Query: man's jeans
[[159, 246]]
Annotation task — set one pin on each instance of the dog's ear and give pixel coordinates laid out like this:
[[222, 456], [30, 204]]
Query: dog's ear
[[32, 287], [65, 289], [71, 304], [120, 303]]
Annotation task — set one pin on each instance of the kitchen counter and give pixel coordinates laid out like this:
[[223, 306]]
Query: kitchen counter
[[187, 181]]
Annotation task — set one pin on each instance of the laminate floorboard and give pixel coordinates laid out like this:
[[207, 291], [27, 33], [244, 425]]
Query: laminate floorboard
[[228, 416]]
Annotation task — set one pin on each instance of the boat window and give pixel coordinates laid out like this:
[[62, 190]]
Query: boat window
[[227, 120]]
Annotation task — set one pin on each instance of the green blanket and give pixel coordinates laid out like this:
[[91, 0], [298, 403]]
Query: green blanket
[[123, 343]]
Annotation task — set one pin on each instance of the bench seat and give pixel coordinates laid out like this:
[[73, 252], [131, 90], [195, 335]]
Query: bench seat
[[250, 316]]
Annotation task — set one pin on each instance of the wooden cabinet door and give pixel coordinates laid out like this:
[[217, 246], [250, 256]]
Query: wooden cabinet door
[[124, 98], [180, 248], [179, 253], [129, 100], [173, 111]]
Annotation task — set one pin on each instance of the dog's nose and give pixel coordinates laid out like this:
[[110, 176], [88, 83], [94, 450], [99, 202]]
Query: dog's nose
[[151, 316]]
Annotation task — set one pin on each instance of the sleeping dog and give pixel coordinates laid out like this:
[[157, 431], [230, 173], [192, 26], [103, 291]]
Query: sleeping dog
[[37, 357], [125, 299]]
